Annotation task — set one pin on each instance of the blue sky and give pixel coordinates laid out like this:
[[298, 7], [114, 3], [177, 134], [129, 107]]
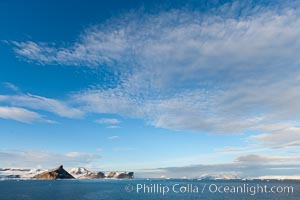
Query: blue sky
[[163, 88]]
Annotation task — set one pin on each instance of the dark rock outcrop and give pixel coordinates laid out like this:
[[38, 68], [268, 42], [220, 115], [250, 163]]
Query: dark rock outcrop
[[13, 176], [58, 173], [121, 175], [128, 175], [93, 175]]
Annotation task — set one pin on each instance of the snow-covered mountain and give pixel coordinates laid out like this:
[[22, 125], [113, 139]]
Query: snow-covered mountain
[[83, 173], [219, 176], [19, 173], [77, 172]]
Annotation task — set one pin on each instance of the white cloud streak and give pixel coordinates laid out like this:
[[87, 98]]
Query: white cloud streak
[[57, 107], [286, 137], [20, 114], [11, 86], [115, 137], [108, 121], [31, 158]]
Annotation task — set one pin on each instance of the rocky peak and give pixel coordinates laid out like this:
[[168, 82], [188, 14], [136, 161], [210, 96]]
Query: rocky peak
[[58, 173]]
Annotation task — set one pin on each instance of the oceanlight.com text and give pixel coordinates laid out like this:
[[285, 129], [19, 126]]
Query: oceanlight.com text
[[250, 189]]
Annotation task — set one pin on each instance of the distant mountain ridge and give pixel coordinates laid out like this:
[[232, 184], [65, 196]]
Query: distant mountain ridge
[[78, 172], [19, 173], [218, 177], [82, 173], [61, 173], [122, 175]]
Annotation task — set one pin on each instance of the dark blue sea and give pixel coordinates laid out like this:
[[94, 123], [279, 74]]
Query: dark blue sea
[[148, 189]]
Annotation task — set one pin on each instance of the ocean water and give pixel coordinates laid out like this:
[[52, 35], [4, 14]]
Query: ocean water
[[148, 189]]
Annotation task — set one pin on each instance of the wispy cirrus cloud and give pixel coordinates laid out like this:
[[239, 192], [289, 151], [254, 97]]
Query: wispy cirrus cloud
[[35, 102], [282, 138], [21, 115], [111, 123], [108, 121], [11, 86], [33, 158], [187, 70], [115, 137], [94, 49]]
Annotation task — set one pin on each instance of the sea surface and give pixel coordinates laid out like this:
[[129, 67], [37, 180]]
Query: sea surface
[[148, 189]]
